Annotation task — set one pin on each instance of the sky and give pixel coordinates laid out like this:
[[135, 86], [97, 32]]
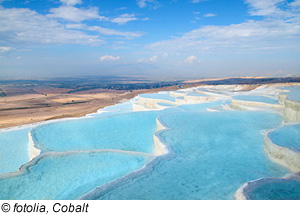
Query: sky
[[149, 38]]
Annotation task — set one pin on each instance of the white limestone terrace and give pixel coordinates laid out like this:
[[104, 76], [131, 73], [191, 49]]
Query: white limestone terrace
[[290, 97], [164, 100], [283, 146], [32, 150], [265, 97], [253, 102], [243, 97]]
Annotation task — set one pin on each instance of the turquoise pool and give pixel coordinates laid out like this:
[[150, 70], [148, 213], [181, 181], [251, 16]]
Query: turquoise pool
[[273, 189], [129, 132], [211, 158], [13, 149], [294, 93], [196, 94], [68, 176], [163, 96], [165, 104], [202, 107], [116, 109], [287, 136], [252, 98]]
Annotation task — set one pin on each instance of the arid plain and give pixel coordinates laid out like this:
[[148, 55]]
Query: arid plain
[[23, 106]]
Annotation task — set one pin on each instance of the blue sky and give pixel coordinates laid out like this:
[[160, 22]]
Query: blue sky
[[152, 38]]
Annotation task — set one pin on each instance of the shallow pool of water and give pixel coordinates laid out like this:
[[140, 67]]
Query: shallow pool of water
[[287, 136], [293, 94], [196, 94], [130, 132], [162, 96], [252, 98], [274, 189], [165, 104], [68, 176], [13, 149], [213, 155]]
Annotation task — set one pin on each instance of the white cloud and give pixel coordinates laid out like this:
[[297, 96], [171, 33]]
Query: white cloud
[[109, 58], [279, 30], [296, 3], [22, 25], [197, 1], [19, 58], [121, 8], [154, 58], [145, 60], [71, 2], [6, 49], [142, 60], [78, 26], [75, 14], [124, 18], [142, 3], [266, 7], [25, 26], [148, 3], [191, 59], [107, 31], [209, 15]]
